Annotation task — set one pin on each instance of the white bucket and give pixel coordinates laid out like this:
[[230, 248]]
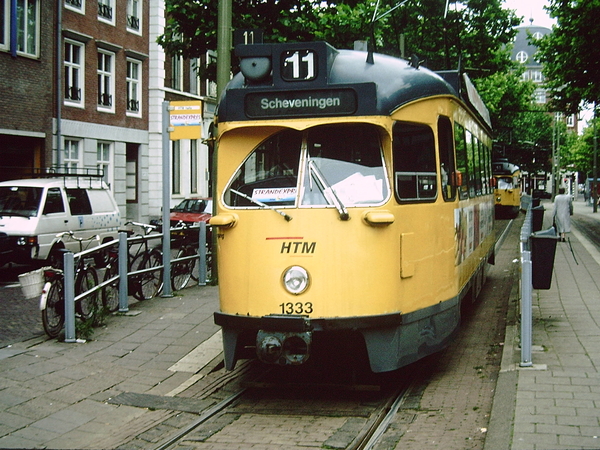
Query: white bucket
[[32, 283]]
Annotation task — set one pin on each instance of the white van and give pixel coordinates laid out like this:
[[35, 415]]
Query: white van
[[34, 211]]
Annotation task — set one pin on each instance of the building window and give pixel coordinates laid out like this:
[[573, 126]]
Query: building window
[[194, 166], [176, 165], [28, 21], [134, 79], [71, 155], [177, 73], [131, 170], [106, 81], [74, 58], [105, 11], [211, 85], [522, 57], [76, 5], [4, 23], [536, 76], [104, 160], [133, 16], [540, 96]]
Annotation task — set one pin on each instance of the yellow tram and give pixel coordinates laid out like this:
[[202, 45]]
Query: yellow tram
[[507, 191], [354, 204]]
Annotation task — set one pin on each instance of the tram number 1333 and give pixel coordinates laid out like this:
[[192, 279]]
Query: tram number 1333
[[296, 308]]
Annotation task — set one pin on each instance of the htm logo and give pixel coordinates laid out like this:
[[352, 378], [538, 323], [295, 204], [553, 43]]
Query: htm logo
[[298, 247]]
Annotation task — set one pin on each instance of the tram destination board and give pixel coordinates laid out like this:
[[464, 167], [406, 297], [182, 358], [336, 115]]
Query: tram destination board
[[301, 103]]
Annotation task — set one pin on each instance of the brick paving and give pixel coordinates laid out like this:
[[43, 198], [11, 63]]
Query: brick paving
[[58, 395]]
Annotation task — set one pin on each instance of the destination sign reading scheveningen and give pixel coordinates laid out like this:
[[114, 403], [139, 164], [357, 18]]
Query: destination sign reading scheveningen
[[301, 103]]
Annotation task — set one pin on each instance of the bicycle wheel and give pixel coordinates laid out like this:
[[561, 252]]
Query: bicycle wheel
[[53, 315], [182, 271], [110, 292], [86, 279], [150, 282]]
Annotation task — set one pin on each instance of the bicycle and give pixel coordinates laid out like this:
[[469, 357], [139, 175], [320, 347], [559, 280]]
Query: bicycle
[[142, 286], [52, 303], [183, 271]]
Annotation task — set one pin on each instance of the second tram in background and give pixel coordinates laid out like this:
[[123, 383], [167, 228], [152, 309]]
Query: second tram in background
[[507, 191], [354, 205]]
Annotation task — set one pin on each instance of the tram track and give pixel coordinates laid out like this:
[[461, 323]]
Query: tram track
[[374, 407], [252, 406]]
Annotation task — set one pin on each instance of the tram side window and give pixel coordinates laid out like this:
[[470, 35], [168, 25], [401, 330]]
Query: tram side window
[[414, 162], [447, 166], [461, 160], [270, 174], [472, 166]]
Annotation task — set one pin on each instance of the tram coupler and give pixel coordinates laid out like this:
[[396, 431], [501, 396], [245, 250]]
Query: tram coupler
[[283, 348]]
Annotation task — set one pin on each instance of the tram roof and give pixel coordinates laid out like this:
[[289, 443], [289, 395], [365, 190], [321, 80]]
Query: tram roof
[[394, 82]]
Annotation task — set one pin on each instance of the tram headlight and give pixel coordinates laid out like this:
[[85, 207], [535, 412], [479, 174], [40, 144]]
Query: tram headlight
[[295, 280]]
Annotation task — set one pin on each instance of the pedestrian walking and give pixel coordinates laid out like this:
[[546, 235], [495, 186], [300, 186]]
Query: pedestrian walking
[[563, 210]]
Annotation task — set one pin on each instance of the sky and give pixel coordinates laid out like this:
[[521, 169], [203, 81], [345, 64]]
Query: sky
[[531, 8]]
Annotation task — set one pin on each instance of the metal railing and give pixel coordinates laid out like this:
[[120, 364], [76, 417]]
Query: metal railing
[[123, 272]]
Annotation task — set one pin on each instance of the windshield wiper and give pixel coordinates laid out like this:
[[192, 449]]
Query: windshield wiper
[[262, 205], [326, 187]]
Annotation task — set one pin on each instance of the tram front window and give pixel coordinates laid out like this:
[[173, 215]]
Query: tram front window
[[270, 174], [343, 166], [505, 183]]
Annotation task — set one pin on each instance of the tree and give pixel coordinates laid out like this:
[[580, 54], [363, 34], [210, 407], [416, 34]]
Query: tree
[[571, 54], [474, 31]]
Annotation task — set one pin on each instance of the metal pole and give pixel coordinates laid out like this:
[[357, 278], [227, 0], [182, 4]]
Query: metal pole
[[595, 168], [526, 313], [69, 287], [166, 200], [123, 277], [202, 254], [223, 45]]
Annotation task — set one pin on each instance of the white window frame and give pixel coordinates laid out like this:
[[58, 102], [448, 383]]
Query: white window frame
[[70, 4], [522, 57], [23, 33], [540, 96], [176, 167], [177, 73], [78, 68], [5, 35], [106, 80], [108, 5], [104, 160], [211, 85], [134, 87], [134, 13], [537, 76], [72, 154]]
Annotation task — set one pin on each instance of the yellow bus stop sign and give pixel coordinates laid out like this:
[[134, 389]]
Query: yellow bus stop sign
[[185, 120]]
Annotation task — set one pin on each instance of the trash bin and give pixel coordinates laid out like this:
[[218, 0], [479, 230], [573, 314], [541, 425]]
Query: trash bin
[[535, 202], [543, 249], [537, 218]]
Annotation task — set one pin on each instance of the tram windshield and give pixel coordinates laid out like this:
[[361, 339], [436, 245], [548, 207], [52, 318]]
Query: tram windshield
[[341, 166]]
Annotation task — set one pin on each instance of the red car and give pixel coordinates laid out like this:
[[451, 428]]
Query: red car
[[191, 211]]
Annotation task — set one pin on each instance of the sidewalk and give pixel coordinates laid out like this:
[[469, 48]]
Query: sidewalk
[[556, 403], [57, 395]]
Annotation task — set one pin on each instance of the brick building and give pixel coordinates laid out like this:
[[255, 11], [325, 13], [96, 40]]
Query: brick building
[[27, 72], [101, 107]]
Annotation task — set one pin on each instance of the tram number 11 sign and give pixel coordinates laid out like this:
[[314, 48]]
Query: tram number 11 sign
[[299, 65]]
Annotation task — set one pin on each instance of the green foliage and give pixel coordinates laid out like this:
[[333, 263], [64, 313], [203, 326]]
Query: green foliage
[[570, 54]]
